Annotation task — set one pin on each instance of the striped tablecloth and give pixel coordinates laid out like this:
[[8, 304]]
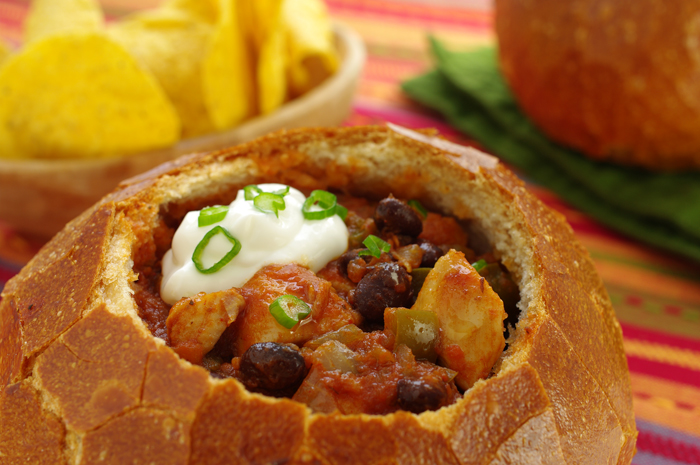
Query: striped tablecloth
[[656, 296]]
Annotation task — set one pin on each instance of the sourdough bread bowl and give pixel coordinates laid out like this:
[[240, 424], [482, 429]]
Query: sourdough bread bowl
[[619, 81], [86, 382]]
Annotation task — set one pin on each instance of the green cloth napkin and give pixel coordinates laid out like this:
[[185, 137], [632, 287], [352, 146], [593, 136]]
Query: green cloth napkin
[[467, 88]]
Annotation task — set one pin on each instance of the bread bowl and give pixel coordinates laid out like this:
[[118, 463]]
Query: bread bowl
[[617, 81], [85, 381]]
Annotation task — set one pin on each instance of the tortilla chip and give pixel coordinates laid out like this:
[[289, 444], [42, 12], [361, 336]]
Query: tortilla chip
[[82, 95], [8, 148], [262, 21], [272, 66], [227, 75], [7, 143], [312, 56], [208, 11], [4, 51], [172, 44], [48, 17]]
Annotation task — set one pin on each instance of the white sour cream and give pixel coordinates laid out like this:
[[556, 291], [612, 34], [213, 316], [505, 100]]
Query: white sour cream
[[265, 239]]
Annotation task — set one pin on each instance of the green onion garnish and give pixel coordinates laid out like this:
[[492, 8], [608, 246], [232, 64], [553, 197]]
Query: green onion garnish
[[199, 250], [375, 246], [479, 265], [325, 201], [341, 211], [211, 215], [270, 203], [251, 191], [417, 206], [288, 310], [282, 192]]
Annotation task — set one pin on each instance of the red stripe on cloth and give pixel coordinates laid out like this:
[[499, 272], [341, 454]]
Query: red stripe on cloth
[[635, 332], [668, 447], [423, 13], [664, 371], [9, 24]]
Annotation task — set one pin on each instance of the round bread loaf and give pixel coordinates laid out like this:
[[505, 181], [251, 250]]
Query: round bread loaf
[[619, 81], [86, 382]]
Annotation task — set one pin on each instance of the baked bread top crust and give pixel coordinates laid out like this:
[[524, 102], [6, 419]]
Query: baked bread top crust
[[85, 381], [616, 80]]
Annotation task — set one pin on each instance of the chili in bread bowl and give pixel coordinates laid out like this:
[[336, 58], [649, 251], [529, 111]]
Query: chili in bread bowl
[[616, 80], [85, 379]]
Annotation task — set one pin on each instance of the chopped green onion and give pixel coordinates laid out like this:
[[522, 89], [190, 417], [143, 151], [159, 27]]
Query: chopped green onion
[[211, 215], [270, 203], [417, 206], [199, 250], [375, 246], [325, 200], [251, 191], [288, 310], [341, 211], [479, 265], [282, 192]]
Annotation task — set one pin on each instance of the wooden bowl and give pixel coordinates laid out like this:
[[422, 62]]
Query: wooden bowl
[[40, 196]]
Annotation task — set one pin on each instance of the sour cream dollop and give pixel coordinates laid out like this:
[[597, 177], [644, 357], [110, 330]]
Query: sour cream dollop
[[264, 238]]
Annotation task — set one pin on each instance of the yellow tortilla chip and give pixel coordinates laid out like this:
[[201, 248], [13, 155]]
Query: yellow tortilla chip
[[4, 51], [82, 95], [258, 19], [7, 143], [203, 10], [312, 54], [8, 148], [263, 22], [227, 75], [172, 45], [48, 17], [272, 65]]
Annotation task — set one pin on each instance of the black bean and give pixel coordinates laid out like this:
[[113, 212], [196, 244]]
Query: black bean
[[387, 285], [272, 366], [416, 395], [431, 253], [394, 216]]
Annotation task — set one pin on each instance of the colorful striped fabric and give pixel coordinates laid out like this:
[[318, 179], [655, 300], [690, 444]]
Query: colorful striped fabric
[[656, 296]]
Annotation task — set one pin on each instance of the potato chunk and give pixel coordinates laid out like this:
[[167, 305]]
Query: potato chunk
[[196, 323], [470, 314]]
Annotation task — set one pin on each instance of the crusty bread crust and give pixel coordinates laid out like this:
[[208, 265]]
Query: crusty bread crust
[[85, 382], [619, 81]]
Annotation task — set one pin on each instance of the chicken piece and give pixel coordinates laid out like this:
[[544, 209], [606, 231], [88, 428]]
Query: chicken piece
[[196, 323], [328, 311], [470, 315]]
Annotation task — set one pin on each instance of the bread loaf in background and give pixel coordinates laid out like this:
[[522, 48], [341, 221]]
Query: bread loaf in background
[[84, 381], [617, 80]]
